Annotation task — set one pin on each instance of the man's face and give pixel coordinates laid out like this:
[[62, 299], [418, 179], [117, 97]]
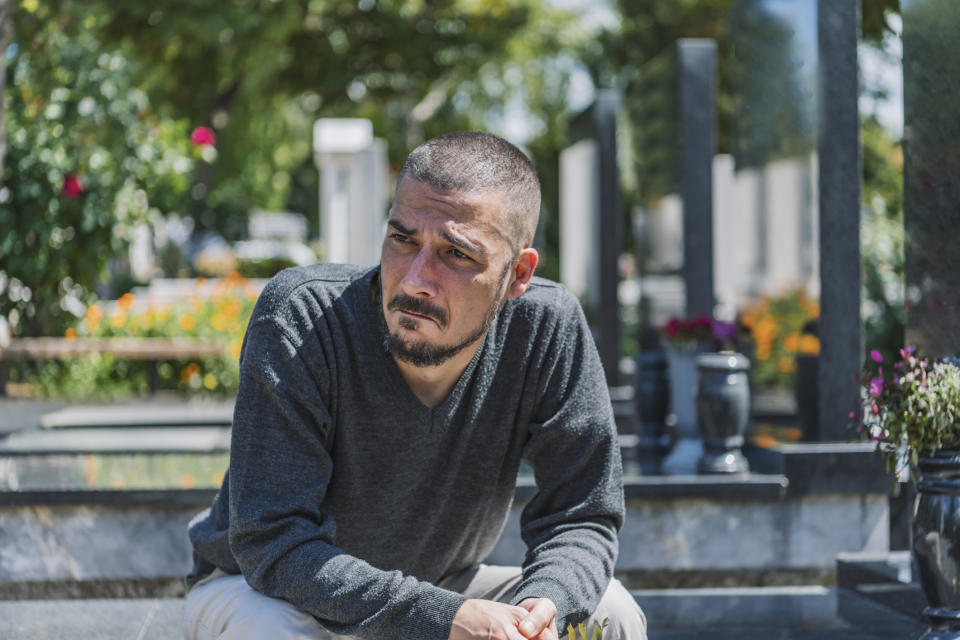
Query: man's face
[[445, 268]]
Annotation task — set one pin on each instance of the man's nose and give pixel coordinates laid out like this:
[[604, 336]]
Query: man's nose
[[420, 276]]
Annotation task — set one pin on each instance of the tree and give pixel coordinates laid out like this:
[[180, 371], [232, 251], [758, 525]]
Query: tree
[[88, 160]]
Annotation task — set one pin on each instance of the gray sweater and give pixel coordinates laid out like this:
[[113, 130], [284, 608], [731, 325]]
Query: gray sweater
[[350, 498]]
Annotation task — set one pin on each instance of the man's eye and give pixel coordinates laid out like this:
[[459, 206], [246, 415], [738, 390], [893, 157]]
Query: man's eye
[[459, 255], [398, 237]]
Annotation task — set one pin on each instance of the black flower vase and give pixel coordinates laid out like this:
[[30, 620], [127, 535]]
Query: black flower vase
[[936, 541], [652, 402], [723, 409]]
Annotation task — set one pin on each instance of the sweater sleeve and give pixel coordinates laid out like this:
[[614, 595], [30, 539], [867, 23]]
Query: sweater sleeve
[[280, 468], [570, 526]]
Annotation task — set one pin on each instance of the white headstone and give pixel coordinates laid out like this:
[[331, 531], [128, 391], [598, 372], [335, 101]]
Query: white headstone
[[269, 225], [353, 178], [580, 221]]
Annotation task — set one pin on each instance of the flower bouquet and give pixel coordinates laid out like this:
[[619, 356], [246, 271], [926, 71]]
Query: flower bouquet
[[911, 406], [700, 333], [911, 409]]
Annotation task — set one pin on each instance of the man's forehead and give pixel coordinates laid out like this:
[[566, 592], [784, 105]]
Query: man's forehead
[[469, 211]]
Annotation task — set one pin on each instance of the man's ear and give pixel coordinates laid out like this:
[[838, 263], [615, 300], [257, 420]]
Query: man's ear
[[523, 272]]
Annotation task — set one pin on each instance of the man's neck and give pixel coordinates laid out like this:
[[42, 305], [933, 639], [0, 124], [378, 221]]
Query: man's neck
[[432, 385]]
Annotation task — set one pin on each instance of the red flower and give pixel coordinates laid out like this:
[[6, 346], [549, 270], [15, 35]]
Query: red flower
[[72, 187], [203, 136], [672, 328]]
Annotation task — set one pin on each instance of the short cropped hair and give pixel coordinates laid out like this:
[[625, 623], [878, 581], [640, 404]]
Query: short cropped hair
[[472, 161]]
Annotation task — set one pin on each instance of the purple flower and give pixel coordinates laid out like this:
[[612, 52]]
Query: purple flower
[[724, 331], [876, 355], [876, 386]]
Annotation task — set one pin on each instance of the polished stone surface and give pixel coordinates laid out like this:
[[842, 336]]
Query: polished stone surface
[[839, 160], [931, 198], [779, 614], [697, 65], [141, 414], [728, 533], [107, 439], [87, 543], [149, 619]]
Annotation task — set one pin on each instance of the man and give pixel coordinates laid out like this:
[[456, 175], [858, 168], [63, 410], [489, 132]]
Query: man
[[381, 420]]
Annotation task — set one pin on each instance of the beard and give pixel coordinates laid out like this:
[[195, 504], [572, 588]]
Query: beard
[[429, 354]]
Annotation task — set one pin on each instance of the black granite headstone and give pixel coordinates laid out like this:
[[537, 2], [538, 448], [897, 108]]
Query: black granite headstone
[[697, 65], [608, 317], [841, 336], [931, 199]]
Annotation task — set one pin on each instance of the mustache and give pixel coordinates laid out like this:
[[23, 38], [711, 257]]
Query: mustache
[[404, 302]]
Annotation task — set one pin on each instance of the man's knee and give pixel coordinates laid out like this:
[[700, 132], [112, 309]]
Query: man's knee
[[228, 609], [626, 620]]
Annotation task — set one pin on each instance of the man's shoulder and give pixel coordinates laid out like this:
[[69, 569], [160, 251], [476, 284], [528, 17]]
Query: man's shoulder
[[545, 303], [317, 284], [548, 296]]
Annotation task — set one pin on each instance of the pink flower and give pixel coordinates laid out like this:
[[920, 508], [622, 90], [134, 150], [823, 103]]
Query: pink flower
[[876, 386], [203, 136], [72, 187], [876, 355]]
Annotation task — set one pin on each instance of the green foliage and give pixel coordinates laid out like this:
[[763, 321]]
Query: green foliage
[[882, 240], [596, 634], [86, 160]]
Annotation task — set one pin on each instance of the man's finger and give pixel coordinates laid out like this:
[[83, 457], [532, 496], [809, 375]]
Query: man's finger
[[541, 615], [550, 633]]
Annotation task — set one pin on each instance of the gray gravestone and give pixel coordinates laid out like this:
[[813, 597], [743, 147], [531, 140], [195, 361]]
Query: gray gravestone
[[608, 313], [697, 66], [840, 174], [931, 201]]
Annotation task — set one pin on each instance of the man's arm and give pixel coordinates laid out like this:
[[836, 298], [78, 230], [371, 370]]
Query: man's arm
[[279, 472], [570, 526]]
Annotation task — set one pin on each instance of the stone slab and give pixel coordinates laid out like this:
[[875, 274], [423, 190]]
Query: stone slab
[[149, 619], [106, 439], [715, 533], [140, 415], [823, 467], [770, 607], [89, 543], [794, 614], [17, 414]]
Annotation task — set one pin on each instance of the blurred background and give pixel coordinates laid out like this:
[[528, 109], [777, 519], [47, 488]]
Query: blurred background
[[160, 160]]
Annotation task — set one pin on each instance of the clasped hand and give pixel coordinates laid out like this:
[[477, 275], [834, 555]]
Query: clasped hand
[[531, 619]]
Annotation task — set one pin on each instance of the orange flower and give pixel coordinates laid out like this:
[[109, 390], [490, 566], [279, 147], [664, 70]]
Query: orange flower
[[792, 342], [189, 372], [810, 345], [117, 320], [125, 302], [786, 364], [235, 349], [94, 316], [187, 323], [70, 334], [219, 322]]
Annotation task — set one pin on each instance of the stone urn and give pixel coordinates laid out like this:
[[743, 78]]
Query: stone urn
[[652, 403], [936, 541], [723, 411]]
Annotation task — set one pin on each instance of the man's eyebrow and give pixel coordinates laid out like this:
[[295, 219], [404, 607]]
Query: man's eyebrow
[[463, 243], [402, 229]]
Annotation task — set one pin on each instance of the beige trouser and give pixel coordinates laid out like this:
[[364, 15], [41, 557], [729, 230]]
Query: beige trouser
[[223, 606]]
